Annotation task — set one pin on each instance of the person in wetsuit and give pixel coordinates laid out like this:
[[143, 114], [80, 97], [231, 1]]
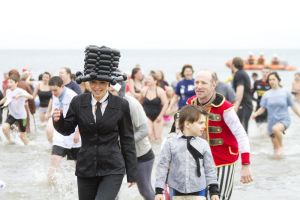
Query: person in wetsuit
[[155, 103], [260, 87]]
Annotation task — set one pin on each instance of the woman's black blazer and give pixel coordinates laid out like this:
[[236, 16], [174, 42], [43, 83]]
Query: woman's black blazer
[[107, 147]]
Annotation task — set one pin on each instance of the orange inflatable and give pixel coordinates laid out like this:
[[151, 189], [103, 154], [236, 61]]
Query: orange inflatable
[[273, 67]]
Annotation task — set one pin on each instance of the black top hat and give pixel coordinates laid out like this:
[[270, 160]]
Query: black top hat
[[101, 63]]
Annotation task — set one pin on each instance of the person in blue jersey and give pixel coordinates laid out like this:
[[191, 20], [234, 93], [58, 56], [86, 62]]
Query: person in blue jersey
[[184, 88]]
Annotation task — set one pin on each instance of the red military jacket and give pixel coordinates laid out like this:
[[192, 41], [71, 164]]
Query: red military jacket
[[223, 143]]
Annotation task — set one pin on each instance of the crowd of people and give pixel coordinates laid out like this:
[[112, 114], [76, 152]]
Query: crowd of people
[[197, 159]]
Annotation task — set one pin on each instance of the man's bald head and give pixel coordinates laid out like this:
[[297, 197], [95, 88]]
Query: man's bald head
[[205, 85], [205, 74]]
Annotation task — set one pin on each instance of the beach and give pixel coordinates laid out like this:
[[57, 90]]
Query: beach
[[24, 169]]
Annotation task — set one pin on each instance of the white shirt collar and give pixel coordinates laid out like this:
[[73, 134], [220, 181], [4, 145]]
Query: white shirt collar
[[104, 98], [179, 134]]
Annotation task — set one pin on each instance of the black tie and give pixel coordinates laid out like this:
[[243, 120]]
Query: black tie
[[195, 153], [98, 112]]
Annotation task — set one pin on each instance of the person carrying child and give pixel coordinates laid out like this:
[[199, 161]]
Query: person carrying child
[[187, 161]]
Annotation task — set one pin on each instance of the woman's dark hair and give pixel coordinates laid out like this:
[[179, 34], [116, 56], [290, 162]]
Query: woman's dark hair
[[184, 68], [162, 75], [277, 77], [47, 74], [135, 71], [191, 114], [153, 75], [238, 63], [40, 77]]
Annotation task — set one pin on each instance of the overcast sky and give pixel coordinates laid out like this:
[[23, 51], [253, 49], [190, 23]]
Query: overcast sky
[[152, 24]]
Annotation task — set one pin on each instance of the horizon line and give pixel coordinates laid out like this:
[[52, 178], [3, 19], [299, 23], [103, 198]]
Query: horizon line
[[147, 49]]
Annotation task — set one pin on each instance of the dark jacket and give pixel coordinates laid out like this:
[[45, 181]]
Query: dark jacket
[[107, 147]]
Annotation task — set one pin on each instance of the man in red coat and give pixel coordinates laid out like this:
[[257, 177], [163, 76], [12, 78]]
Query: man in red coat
[[225, 133]]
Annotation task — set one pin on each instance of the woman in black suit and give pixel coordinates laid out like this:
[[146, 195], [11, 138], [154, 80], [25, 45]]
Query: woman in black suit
[[108, 147]]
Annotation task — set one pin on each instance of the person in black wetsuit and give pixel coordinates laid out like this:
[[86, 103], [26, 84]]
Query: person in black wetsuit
[[155, 103], [260, 87], [242, 87]]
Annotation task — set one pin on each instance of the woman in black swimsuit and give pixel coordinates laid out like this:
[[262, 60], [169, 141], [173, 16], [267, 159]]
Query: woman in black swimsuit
[[42, 90], [155, 103], [136, 82]]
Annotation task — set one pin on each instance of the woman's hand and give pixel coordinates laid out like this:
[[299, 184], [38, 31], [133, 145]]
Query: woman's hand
[[168, 111], [47, 115], [76, 138], [158, 119], [130, 184], [159, 197]]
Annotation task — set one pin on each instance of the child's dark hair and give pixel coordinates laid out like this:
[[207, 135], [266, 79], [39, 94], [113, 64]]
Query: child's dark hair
[[56, 81], [15, 78], [191, 114]]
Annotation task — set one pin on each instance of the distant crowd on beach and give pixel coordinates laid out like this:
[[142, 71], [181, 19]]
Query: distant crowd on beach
[[195, 105]]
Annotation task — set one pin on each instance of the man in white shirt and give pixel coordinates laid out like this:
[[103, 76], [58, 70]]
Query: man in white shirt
[[62, 145], [15, 100]]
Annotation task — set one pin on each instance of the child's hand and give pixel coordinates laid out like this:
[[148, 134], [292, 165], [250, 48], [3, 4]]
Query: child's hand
[[17, 97], [56, 115], [159, 197], [214, 197], [253, 116]]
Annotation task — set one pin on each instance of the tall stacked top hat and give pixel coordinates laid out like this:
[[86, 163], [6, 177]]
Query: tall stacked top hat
[[101, 63]]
